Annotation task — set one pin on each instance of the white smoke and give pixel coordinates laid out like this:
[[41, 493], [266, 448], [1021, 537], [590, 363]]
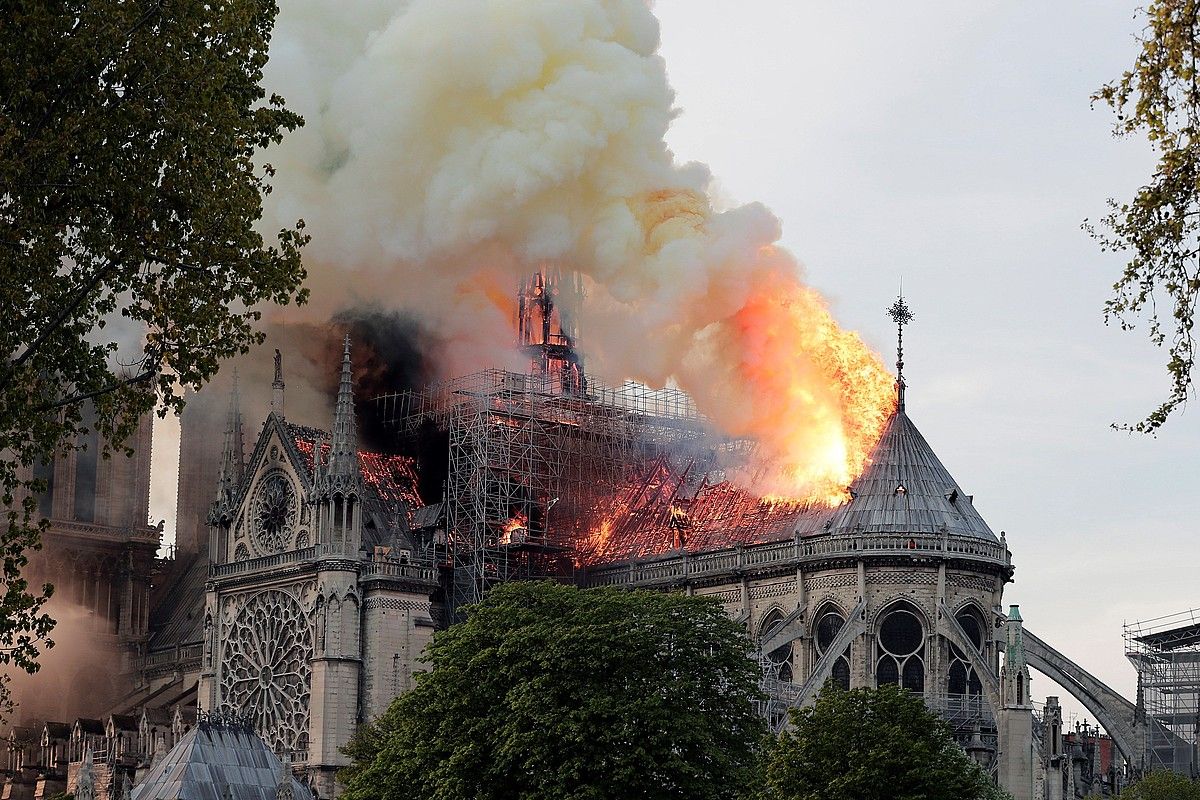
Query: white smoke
[[453, 146]]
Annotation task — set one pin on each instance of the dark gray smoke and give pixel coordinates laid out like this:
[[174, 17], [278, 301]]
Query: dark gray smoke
[[392, 352]]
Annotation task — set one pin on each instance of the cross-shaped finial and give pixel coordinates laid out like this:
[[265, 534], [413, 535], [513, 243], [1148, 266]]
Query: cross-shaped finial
[[901, 315]]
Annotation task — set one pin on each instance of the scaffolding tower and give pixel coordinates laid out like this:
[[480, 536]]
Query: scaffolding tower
[[1165, 651], [533, 460]]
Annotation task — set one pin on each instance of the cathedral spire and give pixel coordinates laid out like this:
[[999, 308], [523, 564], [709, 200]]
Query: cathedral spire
[[901, 315], [277, 385], [233, 457], [232, 454], [343, 447]]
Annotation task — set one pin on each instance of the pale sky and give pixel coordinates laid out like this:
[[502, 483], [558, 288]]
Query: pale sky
[[951, 145]]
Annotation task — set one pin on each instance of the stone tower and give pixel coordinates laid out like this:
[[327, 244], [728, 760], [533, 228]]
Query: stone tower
[[337, 658], [1015, 722]]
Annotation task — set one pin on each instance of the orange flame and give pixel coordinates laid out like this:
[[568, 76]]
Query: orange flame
[[816, 398], [518, 522]]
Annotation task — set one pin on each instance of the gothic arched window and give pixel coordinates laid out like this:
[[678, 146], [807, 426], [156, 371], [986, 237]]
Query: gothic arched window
[[901, 649], [781, 656], [825, 631], [962, 678]]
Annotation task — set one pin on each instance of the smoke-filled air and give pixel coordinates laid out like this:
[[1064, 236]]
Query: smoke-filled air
[[453, 146]]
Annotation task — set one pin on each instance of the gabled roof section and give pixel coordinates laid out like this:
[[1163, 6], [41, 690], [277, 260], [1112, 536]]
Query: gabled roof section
[[905, 489], [282, 430], [671, 502], [178, 617], [390, 479]]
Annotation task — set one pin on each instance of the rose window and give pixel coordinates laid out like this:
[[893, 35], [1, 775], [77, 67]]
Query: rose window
[[274, 513], [265, 672]]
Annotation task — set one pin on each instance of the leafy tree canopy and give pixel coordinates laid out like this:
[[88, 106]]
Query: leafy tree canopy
[[129, 190], [868, 744], [1163, 785], [1159, 228], [547, 691]]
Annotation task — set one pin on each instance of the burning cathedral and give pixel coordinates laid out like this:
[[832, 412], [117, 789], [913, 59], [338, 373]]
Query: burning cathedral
[[305, 592]]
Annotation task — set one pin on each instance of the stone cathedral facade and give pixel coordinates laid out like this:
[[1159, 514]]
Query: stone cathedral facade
[[321, 597], [314, 612], [325, 574]]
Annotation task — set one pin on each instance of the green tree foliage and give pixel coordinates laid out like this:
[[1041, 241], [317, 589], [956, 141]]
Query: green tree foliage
[[1159, 228], [1163, 785], [872, 744], [546, 691], [129, 191]]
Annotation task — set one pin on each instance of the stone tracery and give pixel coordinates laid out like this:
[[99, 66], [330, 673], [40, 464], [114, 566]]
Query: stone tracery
[[267, 646], [275, 512]]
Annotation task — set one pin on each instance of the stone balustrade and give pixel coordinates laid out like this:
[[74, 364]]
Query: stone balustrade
[[681, 566], [371, 569], [274, 561], [396, 569]]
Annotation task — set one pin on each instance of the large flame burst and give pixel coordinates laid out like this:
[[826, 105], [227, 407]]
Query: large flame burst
[[817, 398]]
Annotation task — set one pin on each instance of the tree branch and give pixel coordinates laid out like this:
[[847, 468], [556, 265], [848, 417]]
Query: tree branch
[[112, 387], [58, 320]]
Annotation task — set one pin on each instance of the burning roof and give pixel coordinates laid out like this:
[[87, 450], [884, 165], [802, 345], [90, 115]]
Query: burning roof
[[393, 479], [668, 506]]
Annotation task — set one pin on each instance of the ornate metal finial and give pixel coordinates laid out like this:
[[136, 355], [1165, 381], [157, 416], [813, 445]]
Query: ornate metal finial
[[901, 314]]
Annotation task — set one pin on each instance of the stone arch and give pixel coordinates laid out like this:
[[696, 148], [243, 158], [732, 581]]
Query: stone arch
[[1112, 711], [971, 604], [969, 684], [900, 652], [827, 623], [895, 602], [830, 603], [763, 628], [780, 657]]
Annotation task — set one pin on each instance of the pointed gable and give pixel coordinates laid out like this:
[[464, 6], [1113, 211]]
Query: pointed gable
[[906, 490]]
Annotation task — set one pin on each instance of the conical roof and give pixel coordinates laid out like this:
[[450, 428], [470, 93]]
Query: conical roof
[[905, 490], [218, 762]]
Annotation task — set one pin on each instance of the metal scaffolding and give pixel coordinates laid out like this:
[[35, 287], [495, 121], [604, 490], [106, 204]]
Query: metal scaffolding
[[533, 461], [1166, 653]]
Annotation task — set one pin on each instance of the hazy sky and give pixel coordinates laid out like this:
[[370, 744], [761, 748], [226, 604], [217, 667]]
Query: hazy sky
[[952, 146]]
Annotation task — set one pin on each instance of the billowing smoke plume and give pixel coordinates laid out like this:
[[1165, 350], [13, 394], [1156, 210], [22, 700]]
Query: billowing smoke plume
[[453, 146], [78, 676]]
